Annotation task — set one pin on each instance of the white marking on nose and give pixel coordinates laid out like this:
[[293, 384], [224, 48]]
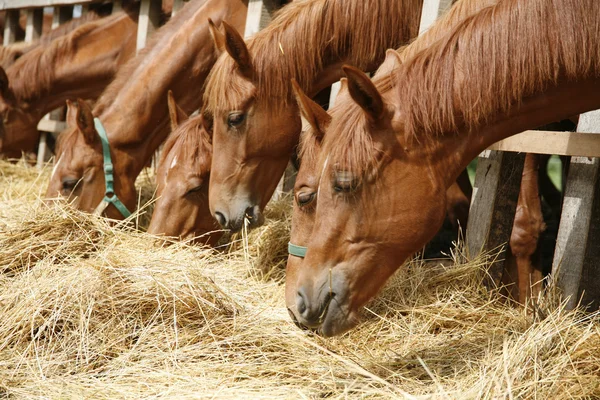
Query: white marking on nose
[[55, 167]]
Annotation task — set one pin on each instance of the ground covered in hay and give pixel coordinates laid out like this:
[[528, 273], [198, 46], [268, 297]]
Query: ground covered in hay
[[89, 310]]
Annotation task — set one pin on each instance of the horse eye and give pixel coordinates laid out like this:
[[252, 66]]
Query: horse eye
[[344, 182], [195, 189], [235, 119], [69, 184], [304, 199]]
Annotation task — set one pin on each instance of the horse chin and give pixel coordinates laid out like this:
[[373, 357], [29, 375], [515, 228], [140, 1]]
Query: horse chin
[[339, 320]]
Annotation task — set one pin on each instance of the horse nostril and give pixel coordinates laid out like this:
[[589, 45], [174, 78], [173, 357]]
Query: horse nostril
[[221, 219], [301, 303]]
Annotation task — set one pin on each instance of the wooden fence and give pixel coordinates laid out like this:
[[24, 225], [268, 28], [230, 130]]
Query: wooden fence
[[576, 264]]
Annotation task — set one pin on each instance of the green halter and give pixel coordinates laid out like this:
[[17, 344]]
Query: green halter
[[297, 251], [110, 197]]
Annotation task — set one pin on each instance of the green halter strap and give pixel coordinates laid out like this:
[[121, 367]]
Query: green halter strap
[[297, 251], [110, 197]]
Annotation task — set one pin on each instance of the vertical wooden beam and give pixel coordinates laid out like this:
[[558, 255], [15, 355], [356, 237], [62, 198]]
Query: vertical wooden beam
[[35, 18], [493, 205], [117, 6], [177, 5], [61, 15], [432, 10], [11, 25], [576, 263], [148, 21], [260, 13]]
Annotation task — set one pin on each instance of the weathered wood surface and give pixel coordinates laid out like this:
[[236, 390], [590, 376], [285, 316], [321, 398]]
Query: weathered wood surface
[[10, 27], [548, 142], [33, 30], [432, 10], [576, 263], [20, 4], [493, 205], [148, 21]]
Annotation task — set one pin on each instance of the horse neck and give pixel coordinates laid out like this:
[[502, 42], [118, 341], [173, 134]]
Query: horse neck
[[490, 88], [191, 55], [326, 46], [87, 70]]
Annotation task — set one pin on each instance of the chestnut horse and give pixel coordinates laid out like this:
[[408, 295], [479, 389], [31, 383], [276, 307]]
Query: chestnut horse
[[398, 143], [256, 121], [181, 208], [307, 179], [132, 112], [79, 64]]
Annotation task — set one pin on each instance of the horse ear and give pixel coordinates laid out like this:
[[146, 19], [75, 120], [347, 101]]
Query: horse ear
[[80, 115], [364, 92], [392, 57], [316, 116], [237, 49], [176, 114], [343, 84], [217, 36]]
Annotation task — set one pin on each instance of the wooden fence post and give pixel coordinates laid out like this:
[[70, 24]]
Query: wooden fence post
[[576, 263], [11, 24], [494, 204], [177, 5], [148, 21], [35, 18]]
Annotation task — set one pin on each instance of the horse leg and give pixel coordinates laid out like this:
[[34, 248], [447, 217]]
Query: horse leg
[[527, 227]]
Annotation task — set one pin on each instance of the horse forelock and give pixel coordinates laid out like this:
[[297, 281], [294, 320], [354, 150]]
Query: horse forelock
[[189, 142]]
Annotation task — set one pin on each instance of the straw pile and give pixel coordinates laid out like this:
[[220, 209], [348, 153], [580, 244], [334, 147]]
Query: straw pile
[[89, 310]]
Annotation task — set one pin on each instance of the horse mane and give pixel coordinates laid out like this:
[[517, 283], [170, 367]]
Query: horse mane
[[157, 41], [276, 55], [507, 52], [192, 138], [478, 70], [31, 75]]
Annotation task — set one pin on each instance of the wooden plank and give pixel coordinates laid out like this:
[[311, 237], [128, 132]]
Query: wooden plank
[[493, 205], [177, 5], [260, 14], [117, 6], [581, 144], [22, 4], [47, 125], [576, 263], [148, 21], [335, 89], [61, 15], [33, 30], [432, 10], [10, 27]]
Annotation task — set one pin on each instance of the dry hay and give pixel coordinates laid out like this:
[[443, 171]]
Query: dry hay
[[89, 310]]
